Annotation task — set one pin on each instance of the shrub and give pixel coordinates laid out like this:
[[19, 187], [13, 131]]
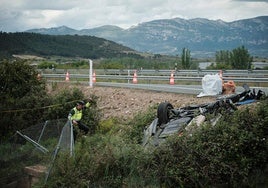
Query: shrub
[[66, 99], [62, 102], [138, 123], [102, 161], [22, 97], [107, 125]]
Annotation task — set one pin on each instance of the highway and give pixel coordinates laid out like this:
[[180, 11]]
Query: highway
[[183, 89], [186, 81], [180, 89]]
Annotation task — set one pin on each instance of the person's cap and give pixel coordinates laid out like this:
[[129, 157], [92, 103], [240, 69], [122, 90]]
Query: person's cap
[[80, 103]]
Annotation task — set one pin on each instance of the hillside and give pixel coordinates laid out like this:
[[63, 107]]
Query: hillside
[[62, 45], [168, 36]]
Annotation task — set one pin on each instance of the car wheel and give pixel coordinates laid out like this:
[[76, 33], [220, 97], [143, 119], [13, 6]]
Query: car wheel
[[164, 112]]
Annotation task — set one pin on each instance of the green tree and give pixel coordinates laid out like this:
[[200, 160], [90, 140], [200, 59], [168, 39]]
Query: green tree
[[240, 58], [223, 57], [21, 95], [47, 65], [185, 58]]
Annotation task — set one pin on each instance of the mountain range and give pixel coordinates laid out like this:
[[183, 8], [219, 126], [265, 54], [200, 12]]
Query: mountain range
[[203, 37]]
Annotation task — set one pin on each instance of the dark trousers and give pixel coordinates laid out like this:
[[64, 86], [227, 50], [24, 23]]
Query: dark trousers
[[82, 127]]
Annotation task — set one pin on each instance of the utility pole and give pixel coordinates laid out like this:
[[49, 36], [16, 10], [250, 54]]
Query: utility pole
[[90, 73]]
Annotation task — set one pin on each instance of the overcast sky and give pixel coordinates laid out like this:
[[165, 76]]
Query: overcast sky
[[20, 15]]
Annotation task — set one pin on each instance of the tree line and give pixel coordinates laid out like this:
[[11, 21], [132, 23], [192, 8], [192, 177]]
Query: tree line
[[238, 58], [61, 45]]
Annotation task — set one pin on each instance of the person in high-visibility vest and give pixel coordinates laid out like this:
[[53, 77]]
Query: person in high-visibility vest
[[75, 116]]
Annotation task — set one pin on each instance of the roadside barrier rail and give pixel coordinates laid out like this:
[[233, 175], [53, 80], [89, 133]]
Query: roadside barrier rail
[[152, 72], [155, 78]]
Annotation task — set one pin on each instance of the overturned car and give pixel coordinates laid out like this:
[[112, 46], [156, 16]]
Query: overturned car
[[171, 121]]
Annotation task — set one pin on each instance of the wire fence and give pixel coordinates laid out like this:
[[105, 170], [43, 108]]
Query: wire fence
[[36, 145]]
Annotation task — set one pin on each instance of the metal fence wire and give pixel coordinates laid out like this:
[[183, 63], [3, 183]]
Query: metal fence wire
[[37, 145]]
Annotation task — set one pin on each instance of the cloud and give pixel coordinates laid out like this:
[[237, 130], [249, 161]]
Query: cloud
[[81, 14], [44, 5], [266, 1]]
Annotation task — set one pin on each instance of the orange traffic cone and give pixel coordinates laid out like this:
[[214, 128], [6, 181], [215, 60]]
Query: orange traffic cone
[[94, 77], [171, 79], [135, 79], [67, 76]]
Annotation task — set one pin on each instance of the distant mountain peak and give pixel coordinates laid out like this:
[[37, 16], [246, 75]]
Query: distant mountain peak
[[168, 36], [109, 27]]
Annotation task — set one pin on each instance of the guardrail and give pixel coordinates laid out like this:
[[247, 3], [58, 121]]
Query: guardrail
[[152, 72], [152, 78]]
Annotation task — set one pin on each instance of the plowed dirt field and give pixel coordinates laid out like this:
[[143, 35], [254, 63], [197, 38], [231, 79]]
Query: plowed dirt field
[[124, 103]]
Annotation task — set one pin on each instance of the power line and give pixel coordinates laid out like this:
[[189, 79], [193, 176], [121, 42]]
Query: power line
[[39, 108]]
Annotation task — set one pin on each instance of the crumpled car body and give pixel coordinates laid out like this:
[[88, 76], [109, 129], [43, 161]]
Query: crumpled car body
[[170, 121]]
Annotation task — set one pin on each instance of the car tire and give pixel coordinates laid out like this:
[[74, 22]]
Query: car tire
[[164, 112]]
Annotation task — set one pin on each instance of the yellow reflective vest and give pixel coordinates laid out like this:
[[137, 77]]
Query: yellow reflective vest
[[76, 114]]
